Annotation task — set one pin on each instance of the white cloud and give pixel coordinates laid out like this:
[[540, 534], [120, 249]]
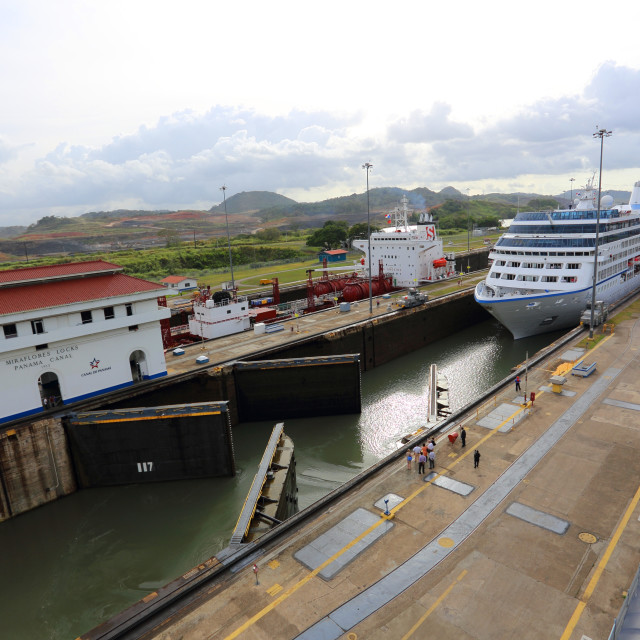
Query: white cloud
[[100, 112]]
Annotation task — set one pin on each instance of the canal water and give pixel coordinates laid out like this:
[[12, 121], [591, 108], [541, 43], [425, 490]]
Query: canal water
[[70, 565]]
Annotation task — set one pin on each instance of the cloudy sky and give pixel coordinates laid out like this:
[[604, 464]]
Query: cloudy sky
[[154, 104]]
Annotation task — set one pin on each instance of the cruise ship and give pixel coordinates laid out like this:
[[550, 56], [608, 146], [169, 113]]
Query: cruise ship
[[541, 273], [411, 254]]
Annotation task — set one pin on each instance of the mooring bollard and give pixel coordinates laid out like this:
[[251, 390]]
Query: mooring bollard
[[255, 570], [386, 507]]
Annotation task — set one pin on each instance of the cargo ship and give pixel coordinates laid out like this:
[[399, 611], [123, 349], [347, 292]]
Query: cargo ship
[[412, 255]]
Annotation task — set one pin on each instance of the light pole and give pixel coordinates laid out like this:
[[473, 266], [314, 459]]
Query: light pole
[[602, 134], [223, 188], [468, 219], [571, 180], [367, 167]]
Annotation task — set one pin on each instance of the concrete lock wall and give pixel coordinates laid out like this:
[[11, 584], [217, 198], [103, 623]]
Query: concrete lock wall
[[384, 338], [35, 466], [290, 388]]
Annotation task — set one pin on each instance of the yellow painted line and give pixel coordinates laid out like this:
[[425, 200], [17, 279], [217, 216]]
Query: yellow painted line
[[139, 418], [597, 574], [291, 590], [598, 345], [433, 607]]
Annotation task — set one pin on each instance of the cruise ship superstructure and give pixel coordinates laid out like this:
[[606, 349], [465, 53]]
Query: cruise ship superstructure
[[411, 254], [541, 274]]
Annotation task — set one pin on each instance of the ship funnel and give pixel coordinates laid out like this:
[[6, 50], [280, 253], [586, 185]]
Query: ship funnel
[[634, 200]]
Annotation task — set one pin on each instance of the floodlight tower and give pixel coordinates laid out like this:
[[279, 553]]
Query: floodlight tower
[[602, 134]]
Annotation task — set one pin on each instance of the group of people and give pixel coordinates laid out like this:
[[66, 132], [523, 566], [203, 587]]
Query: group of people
[[49, 402], [427, 451], [421, 454]]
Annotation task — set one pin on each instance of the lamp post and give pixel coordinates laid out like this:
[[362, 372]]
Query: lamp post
[[223, 188], [367, 167], [602, 134], [571, 180], [468, 219]]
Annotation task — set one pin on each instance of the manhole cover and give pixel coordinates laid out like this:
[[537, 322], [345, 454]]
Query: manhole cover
[[589, 538]]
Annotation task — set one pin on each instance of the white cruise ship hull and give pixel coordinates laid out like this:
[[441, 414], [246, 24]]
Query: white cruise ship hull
[[526, 316], [531, 315]]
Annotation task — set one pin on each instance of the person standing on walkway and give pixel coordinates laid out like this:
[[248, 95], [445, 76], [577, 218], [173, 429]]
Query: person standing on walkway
[[476, 459], [409, 459], [421, 460], [463, 436], [416, 452], [517, 383], [432, 459]]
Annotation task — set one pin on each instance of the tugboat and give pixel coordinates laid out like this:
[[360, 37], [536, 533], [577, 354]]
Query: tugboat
[[219, 314]]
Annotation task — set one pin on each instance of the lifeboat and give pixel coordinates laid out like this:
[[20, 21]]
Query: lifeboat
[[440, 262]]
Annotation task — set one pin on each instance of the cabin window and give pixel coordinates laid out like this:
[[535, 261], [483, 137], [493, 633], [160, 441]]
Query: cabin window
[[573, 265], [37, 326], [10, 330]]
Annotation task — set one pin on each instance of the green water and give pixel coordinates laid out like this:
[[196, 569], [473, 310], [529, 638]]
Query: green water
[[69, 566]]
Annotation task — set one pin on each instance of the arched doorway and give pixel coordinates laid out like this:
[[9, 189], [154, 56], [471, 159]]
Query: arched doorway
[[138, 364], [49, 387]]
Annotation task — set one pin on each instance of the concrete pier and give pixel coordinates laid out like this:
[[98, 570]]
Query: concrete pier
[[541, 539]]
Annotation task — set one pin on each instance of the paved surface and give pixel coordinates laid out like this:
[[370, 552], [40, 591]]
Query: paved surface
[[540, 541]]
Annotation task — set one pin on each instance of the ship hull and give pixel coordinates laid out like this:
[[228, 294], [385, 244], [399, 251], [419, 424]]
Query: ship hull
[[532, 315], [526, 316]]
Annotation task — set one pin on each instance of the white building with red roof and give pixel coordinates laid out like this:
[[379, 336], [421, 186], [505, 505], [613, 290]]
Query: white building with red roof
[[73, 331], [179, 283]]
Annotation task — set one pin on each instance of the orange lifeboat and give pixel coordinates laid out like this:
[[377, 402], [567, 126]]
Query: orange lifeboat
[[441, 262]]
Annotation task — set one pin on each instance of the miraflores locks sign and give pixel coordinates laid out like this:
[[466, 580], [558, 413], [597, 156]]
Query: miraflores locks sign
[[44, 359]]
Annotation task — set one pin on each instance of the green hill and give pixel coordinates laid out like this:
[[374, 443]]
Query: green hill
[[248, 201]]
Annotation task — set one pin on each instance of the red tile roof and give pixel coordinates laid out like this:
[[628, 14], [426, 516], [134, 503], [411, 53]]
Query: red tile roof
[[335, 252], [47, 295], [175, 279], [68, 269]]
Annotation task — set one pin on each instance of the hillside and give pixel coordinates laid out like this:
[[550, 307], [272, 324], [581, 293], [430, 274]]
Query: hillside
[[247, 201], [251, 211]]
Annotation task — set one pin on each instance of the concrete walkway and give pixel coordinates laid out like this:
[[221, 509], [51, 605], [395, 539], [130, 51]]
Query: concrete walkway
[[540, 541]]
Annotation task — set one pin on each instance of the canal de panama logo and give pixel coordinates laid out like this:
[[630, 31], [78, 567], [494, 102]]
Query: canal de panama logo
[[95, 368]]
